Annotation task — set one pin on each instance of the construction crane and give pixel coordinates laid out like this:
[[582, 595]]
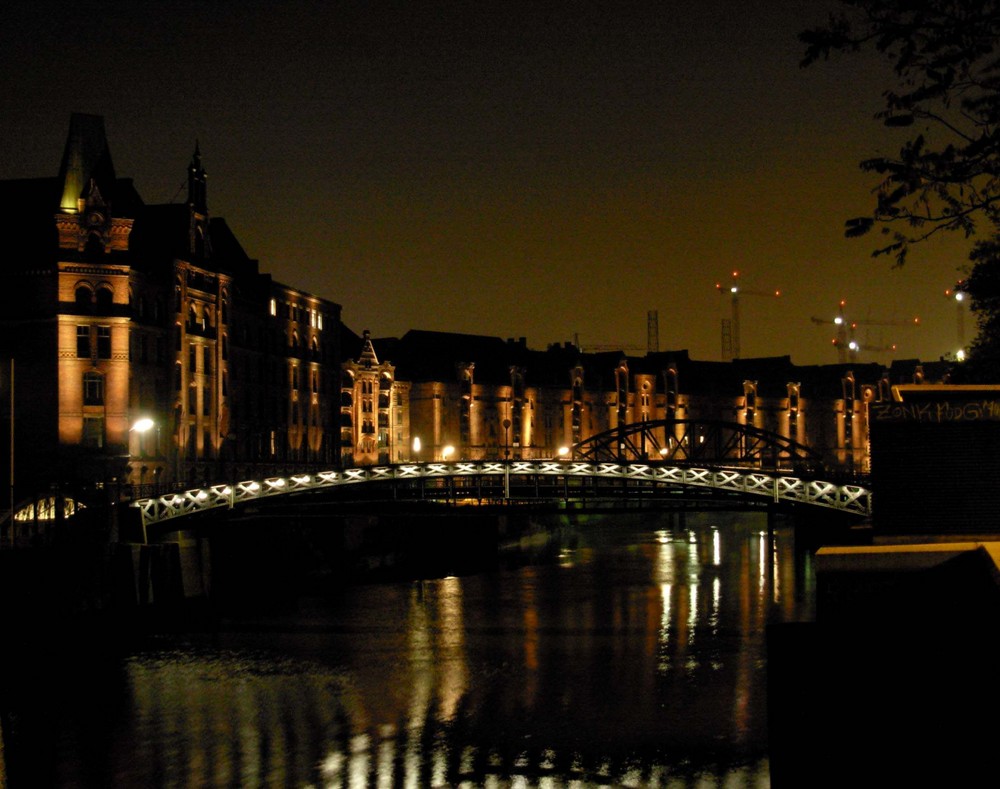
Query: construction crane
[[731, 328], [845, 343], [652, 339], [957, 293]]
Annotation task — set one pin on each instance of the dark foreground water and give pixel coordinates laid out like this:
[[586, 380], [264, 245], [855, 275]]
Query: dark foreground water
[[628, 652]]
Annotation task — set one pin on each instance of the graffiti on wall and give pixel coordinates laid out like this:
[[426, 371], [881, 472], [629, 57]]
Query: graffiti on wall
[[937, 412]]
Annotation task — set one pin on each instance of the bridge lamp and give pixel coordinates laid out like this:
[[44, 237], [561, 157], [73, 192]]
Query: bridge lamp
[[663, 451], [447, 451], [416, 447], [563, 451]]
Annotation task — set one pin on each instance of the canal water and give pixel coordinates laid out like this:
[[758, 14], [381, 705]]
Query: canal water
[[615, 651]]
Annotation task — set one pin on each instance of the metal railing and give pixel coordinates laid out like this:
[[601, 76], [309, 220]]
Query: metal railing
[[777, 486]]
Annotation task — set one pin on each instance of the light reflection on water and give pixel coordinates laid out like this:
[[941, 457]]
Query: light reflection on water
[[632, 653]]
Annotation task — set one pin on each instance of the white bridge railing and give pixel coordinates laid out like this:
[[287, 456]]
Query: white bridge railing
[[776, 486]]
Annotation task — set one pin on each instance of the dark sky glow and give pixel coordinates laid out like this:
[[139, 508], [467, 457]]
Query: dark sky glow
[[536, 170]]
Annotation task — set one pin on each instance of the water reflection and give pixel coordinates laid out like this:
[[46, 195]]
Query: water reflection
[[630, 653]]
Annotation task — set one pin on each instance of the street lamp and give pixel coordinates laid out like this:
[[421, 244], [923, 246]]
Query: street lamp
[[506, 458], [142, 424], [447, 451], [416, 449]]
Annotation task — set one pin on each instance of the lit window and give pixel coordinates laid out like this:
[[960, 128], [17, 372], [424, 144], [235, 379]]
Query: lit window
[[274, 307]]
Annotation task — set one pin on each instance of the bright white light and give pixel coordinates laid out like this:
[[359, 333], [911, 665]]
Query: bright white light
[[143, 424], [563, 451], [416, 443], [960, 355], [447, 452], [959, 296]]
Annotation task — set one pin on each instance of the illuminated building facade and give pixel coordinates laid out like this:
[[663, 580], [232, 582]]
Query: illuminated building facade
[[148, 350], [477, 398], [120, 315], [374, 410]]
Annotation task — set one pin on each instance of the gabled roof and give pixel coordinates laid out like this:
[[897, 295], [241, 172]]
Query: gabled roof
[[432, 356], [421, 356]]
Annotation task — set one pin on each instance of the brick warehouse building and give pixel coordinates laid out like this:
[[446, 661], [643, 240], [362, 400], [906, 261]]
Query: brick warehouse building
[[483, 397], [115, 311]]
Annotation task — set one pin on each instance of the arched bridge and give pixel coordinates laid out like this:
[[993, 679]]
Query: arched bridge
[[700, 442], [523, 481]]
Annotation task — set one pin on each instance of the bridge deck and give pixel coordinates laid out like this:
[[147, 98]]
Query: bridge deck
[[530, 479]]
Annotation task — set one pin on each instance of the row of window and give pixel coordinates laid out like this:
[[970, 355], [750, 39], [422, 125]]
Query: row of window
[[296, 313], [93, 342]]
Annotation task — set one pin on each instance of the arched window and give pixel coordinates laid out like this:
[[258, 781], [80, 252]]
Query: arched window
[[94, 249], [105, 298], [84, 296]]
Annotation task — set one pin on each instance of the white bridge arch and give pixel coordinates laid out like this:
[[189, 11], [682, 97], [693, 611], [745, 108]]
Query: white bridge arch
[[522, 480]]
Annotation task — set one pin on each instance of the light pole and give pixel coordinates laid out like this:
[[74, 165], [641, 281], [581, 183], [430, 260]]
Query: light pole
[[141, 426], [506, 458], [11, 527]]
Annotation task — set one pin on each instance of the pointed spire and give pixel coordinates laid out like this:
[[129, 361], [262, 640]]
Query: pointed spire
[[368, 359], [197, 182], [86, 158]]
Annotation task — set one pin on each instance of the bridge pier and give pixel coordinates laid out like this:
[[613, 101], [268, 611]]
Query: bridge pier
[[161, 574]]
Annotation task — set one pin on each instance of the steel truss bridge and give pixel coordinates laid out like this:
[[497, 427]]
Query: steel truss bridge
[[697, 441], [526, 481]]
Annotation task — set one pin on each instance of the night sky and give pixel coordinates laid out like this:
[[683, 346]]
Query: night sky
[[538, 170]]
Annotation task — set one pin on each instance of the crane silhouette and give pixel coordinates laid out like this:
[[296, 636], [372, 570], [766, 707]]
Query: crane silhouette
[[958, 294], [846, 344], [732, 348]]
